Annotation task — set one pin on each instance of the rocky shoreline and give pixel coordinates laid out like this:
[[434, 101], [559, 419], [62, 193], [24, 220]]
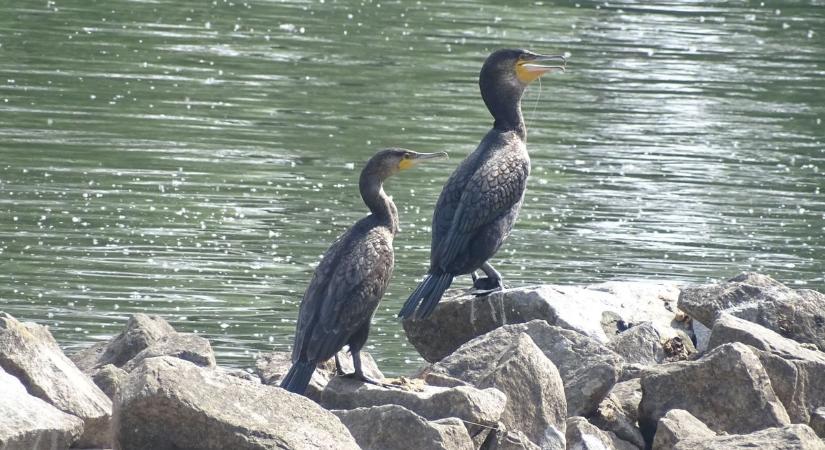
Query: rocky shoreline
[[735, 364]]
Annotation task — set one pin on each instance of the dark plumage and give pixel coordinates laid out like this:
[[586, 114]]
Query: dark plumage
[[480, 201], [351, 278]]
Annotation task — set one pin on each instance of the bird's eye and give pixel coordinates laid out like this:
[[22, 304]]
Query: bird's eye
[[407, 156]]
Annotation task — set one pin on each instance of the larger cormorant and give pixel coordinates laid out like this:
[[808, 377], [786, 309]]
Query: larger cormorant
[[351, 278], [480, 201]]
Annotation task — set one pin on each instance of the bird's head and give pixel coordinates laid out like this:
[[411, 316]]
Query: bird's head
[[390, 161], [507, 72]]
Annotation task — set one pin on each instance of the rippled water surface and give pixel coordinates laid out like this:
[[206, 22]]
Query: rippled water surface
[[194, 159]]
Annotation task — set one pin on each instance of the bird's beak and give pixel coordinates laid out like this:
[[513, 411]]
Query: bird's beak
[[532, 68], [418, 157], [436, 155]]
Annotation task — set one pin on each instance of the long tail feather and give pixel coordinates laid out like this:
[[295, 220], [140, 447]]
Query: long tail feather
[[297, 379], [434, 295], [427, 294]]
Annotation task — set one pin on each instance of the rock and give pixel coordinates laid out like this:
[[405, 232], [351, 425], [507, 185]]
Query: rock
[[702, 335], [611, 417], [29, 423], [140, 332], [109, 379], [627, 395], [479, 406], [582, 435], [513, 364], [727, 389], [795, 314], [168, 403], [678, 425], [186, 346], [393, 426], [818, 422], [587, 368], [791, 437], [610, 307], [795, 371], [504, 439], [29, 352], [271, 367], [640, 344]]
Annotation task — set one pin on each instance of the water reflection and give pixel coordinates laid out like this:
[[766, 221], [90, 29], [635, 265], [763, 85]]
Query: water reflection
[[195, 161]]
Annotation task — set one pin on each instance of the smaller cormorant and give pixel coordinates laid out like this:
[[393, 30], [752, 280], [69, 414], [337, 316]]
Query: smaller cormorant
[[480, 201], [351, 278]]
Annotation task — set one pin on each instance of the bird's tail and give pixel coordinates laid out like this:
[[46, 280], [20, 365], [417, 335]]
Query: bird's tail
[[426, 296], [297, 379]]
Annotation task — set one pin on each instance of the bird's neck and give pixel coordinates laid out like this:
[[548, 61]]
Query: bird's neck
[[380, 204], [504, 104]]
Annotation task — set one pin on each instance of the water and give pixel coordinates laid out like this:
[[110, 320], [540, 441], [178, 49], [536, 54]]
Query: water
[[195, 159]]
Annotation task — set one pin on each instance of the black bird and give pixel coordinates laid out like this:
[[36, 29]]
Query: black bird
[[351, 278], [481, 199]]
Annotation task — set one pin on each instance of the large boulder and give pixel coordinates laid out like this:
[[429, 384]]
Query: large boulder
[[678, 425], [393, 426], [794, 370], [587, 368], [271, 368], [817, 422], [475, 406], [610, 308], [611, 416], [798, 314], [109, 379], [28, 423], [187, 346], [168, 403], [29, 352], [513, 364], [791, 437], [727, 389], [582, 435], [640, 344], [140, 332], [503, 439]]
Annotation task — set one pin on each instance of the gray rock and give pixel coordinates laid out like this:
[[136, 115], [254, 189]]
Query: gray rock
[[271, 367], [587, 368], [795, 314], [612, 417], [513, 364], [109, 379], [393, 426], [504, 439], [678, 425], [702, 335], [140, 332], [479, 406], [627, 395], [727, 389], [795, 371], [28, 423], [186, 346], [582, 435], [29, 352], [640, 344], [460, 318], [818, 422], [791, 437], [168, 403]]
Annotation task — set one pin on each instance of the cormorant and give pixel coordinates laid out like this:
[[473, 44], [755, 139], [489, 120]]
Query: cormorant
[[481, 199], [351, 278]]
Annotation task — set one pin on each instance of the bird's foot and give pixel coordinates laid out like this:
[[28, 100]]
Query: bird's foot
[[369, 380], [486, 285]]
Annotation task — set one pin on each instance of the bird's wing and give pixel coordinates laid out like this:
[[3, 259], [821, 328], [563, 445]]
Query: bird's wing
[[491, 191], [356, 285]]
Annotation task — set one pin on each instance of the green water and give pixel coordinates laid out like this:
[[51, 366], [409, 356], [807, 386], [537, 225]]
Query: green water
[[194, 159]]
